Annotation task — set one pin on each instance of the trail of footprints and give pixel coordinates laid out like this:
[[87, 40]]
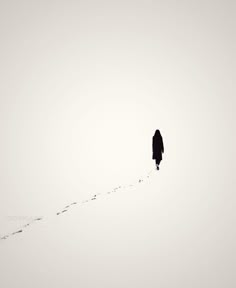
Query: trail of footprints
[[66, 208]]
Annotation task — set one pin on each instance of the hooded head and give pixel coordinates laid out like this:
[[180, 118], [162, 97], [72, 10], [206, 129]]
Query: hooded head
[[157, 133]]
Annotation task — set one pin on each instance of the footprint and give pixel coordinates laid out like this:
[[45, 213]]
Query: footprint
[[4, 237], [19, 231]]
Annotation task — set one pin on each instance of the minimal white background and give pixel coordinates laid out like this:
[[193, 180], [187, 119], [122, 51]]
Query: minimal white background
[[84, 85]]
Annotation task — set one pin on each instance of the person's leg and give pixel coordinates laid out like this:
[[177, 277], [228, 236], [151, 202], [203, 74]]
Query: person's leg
[[157, 164]]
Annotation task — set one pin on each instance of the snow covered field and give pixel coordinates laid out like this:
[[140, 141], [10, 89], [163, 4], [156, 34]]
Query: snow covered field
[[84, 85]]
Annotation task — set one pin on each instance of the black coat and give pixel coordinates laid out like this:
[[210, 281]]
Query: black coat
[[157, 146]]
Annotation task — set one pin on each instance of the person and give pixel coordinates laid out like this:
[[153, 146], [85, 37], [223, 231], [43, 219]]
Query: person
[[157, 148]]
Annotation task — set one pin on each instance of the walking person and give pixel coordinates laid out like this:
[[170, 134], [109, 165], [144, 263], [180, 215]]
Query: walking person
[[157, 148]]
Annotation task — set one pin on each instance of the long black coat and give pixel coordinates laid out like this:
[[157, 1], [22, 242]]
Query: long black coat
[[157, 146]]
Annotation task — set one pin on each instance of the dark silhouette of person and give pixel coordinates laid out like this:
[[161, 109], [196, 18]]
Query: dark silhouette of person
[[157, 148]]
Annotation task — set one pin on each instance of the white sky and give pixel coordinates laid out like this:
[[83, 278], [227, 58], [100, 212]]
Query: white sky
[[84, 86]]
